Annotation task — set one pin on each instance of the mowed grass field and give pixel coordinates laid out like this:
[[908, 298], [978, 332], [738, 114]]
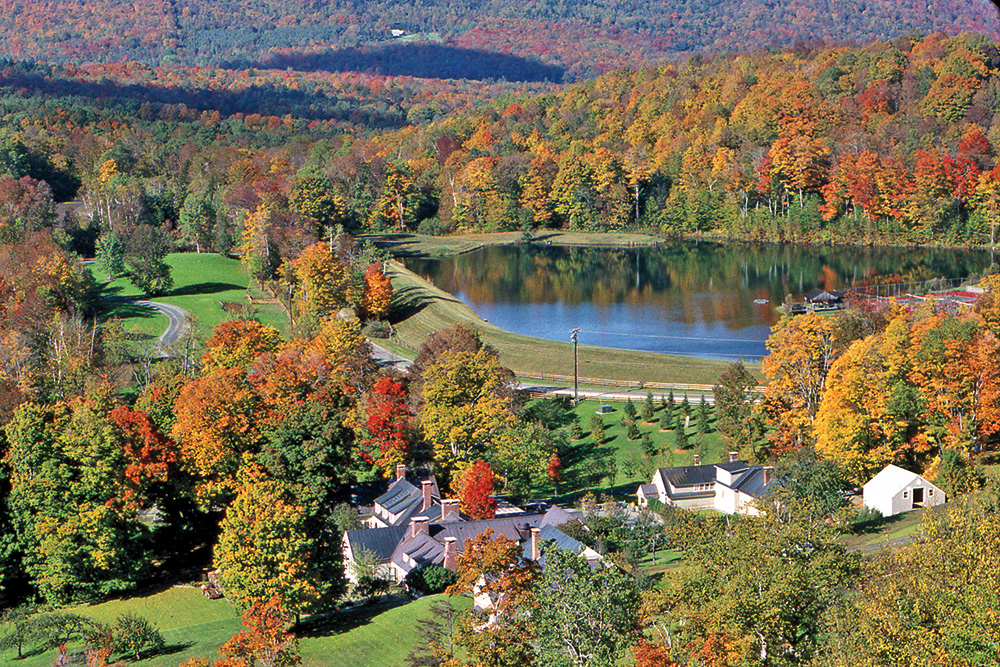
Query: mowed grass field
[[420, 309], [202, 283], [196, 627]]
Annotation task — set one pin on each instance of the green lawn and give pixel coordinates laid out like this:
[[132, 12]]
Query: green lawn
[[202, 283], [586, 465], [420, 309], [194, 626]]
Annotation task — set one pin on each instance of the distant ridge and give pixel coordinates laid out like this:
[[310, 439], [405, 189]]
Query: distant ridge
[[582, 37]]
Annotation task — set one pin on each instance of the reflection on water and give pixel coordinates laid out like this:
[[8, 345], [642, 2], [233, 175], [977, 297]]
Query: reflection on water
[[686, 298]]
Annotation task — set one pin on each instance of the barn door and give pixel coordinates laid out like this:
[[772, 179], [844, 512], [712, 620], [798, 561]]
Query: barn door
[[918, 496]]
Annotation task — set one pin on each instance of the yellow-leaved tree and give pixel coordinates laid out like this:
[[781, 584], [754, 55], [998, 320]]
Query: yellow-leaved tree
[[466, 400], [802, 350]]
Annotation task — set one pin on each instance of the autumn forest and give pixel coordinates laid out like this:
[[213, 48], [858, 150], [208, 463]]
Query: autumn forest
[[295, 140]]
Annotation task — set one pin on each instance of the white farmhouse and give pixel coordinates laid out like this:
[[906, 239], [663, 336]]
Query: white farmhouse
[[894, 491], [730, 487]]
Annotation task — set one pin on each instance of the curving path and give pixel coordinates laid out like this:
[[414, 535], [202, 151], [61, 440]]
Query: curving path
[[176, 327]]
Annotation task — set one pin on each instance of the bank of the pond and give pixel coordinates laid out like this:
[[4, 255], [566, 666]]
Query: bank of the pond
[[419, 309], [418, 245]]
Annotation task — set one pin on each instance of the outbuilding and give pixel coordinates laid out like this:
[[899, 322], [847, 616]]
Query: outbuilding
[[894, 491]]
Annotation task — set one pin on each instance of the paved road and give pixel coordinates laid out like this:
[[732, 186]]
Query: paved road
[[386, 358], [637, 395], [176, 327]]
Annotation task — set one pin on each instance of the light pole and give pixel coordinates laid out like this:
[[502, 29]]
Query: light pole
[[576, 366]]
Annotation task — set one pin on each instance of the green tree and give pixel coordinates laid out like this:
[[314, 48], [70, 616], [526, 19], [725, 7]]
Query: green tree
[[648, 409], [680, 435], [819, 487], [314, 197], [21, 629], [133, 633], [733, 398], [629, 409], [271, 546], [197, 220], [758, 589], [111, 254], [79, 536], [583, 617], [146, 251], [704, 425]]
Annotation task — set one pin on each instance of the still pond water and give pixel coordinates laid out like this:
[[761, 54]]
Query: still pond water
[[687, 298]]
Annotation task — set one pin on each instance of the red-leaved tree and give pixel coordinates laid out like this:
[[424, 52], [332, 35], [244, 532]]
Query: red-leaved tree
[[476, 491], [388, 421]]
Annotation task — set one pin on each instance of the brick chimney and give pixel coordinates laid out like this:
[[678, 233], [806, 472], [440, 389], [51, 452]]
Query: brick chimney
[[697, 460], [426, 487], [400, 471], [734, 457], [536, 544], [767, 475], [449, 510], [419, 525], [451, 553]]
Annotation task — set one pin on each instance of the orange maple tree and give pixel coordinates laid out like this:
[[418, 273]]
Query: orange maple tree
[[264, 639]]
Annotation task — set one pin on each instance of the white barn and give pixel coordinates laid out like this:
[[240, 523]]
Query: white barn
[[894, 491]]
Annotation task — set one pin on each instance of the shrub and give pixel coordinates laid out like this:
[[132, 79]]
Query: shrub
[[633, 431], [630, 410], [376, 329], [576, 431], [667, 419], [431, 227], [369, 587], [430, 579], [867, 519]]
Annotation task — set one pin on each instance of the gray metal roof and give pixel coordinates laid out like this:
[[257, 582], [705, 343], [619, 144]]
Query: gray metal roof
[[552, 535], [380, 541], [648, 490], [557, 516], [404, 499], [689, 475], [426, 548], [753, 483]]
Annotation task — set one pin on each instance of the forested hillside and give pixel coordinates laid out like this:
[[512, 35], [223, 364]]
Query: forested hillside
[[892, 142], [582, 37]]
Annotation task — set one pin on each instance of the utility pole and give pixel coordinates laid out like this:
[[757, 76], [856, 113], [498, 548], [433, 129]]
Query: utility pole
[[576, 366]]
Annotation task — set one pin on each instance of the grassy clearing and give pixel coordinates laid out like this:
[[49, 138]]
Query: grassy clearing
[[419, 309], [416, 245], [193, 627], [202, 283], [893, 528], [372, 637], [618, 464]]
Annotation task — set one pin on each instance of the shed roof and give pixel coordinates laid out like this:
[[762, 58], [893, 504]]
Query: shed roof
[[891, 478]]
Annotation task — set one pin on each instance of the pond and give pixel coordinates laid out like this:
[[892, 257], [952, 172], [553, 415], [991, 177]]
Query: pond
[[692, 298]]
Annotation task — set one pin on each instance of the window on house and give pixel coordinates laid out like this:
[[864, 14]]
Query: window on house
[[930, 492], [906, 494]]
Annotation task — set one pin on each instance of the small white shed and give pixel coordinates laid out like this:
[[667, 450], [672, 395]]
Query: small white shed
[[894, 491]]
